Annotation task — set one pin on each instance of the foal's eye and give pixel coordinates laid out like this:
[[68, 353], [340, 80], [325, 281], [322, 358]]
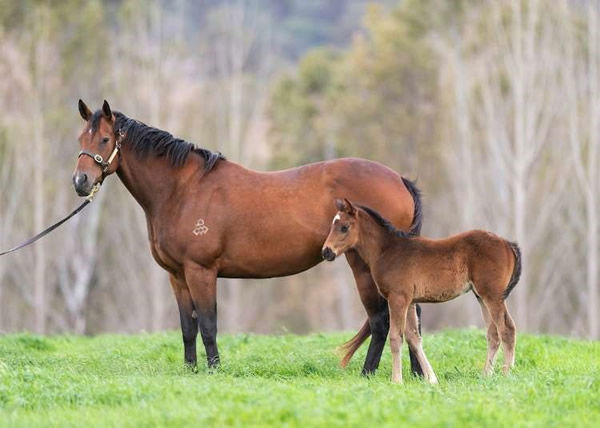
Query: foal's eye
[[344, 228], [105, 140]]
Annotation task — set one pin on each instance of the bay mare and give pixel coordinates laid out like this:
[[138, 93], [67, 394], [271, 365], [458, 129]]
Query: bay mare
[[409, 269], [208, 217]]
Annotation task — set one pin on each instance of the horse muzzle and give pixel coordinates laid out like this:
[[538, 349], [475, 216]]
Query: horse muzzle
[[82, 183], [328, 254]]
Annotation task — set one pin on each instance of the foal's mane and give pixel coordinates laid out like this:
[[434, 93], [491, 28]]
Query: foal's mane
[[387, 225], [145, 140]]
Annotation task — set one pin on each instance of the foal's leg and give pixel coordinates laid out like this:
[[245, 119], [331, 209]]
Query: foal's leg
[[202, 284], [507, 331], [415, 344], [493, 339], [189, 326], [398, 306], [377, 311]]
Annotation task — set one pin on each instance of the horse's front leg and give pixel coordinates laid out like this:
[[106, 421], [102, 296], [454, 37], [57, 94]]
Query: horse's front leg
[[189, 326], [398, 306], [202, 283]]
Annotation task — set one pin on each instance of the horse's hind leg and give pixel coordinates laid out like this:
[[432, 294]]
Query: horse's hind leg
[[493, 339], [189, 326], [415, 344], [377, 311], [507, 331]]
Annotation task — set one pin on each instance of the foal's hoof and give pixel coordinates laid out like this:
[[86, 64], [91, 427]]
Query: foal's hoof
[[488, 371], [433, 380]]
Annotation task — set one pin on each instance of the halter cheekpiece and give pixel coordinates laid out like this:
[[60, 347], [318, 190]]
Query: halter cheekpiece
[[98, 157]]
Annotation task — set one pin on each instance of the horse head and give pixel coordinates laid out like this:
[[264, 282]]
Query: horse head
[[100, 143]]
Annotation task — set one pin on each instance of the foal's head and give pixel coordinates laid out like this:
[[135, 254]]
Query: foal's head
[[344, 232], [98, 142]]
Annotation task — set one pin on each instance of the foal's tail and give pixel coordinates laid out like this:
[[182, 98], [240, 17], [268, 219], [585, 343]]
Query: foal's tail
[[516, 270], [415, 227], [353, 344]]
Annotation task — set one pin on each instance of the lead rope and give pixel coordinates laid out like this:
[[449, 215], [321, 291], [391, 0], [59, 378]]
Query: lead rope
[[89, 198], [51, 228]]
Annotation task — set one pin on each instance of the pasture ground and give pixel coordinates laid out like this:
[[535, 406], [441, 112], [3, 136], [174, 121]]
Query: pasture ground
[[115, 380]]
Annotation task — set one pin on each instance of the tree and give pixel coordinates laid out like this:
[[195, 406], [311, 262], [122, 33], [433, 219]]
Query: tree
[[581, 84]]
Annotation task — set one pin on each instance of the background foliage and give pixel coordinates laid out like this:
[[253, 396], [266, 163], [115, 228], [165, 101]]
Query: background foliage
[[493, 106]]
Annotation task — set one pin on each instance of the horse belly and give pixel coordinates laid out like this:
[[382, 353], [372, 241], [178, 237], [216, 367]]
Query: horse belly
[[442, 283], [270, 267]]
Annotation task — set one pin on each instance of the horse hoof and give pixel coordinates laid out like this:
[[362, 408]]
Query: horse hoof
[[433, 381]]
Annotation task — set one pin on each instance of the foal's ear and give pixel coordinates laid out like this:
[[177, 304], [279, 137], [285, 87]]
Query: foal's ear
[[106, 110], [349, 207], [345, 206], [84, 111]]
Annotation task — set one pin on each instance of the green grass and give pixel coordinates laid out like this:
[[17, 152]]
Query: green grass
[[292, 380]]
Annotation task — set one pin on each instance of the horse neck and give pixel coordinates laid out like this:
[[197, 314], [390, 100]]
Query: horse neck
[[373, 239], [151, 180]]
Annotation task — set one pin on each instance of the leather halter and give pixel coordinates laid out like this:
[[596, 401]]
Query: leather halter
[[104, 165]]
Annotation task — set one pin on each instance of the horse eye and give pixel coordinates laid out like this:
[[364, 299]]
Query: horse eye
[[344, 228], [105, 140]]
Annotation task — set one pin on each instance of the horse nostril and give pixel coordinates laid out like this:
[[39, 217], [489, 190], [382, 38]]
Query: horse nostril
[[328, 254], [80, 179]]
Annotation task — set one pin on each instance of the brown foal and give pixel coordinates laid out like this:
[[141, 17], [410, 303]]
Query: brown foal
[[409, 269]]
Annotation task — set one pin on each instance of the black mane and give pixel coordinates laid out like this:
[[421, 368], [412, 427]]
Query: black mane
[[145, 140], [386, 224]]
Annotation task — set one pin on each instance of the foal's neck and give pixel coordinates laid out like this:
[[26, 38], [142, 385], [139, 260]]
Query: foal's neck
[[373, 240]]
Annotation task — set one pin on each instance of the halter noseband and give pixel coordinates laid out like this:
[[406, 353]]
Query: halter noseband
[[98, 157]]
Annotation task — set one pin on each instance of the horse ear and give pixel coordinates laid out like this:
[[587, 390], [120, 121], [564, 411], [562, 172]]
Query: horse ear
[[84, 111], [339, 205], [349, 207], [106, 110]]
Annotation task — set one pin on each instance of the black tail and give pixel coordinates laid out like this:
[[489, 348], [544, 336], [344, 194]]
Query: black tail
[[415, 227], [517, 269], [415, 230]]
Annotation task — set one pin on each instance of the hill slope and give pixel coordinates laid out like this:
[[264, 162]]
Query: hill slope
[[296, 380]]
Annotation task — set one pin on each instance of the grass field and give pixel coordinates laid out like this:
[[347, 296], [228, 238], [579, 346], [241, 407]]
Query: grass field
[[293, 380]]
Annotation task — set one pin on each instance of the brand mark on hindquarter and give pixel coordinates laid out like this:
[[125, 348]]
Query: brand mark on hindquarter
[[200, 228]]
